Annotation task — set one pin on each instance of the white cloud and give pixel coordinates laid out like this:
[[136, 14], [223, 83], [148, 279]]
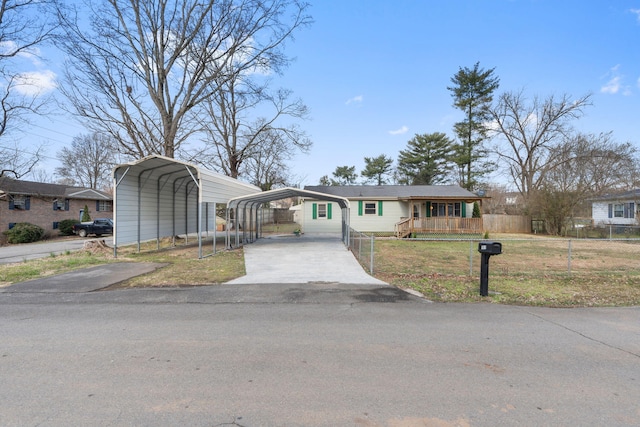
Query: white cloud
[[615, 84], [32, 54], [34, 83], [400, 131], [636, 12], [355, 100]]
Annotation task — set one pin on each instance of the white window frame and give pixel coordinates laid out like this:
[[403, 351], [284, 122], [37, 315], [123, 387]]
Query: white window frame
[[105, 206], [322, 211], [618, 210], [370, 208]]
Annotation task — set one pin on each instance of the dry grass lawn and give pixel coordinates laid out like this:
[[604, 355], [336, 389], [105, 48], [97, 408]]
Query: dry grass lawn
[[531, 272]]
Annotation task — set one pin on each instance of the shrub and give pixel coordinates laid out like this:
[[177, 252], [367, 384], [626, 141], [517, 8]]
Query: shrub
[[65, 226], [24, 232], [86, 217], [476, 210]]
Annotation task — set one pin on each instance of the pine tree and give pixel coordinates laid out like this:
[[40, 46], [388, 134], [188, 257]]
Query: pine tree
[[85, 214], [376, 168], [426, 161], [472, 93]]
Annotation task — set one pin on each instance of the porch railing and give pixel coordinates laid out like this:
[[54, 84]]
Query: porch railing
[[438, 225]]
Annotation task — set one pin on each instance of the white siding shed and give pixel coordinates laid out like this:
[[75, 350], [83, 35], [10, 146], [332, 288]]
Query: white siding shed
[[158, 197]]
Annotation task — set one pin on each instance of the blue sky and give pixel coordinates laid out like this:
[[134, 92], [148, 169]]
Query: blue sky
[[375, 73]]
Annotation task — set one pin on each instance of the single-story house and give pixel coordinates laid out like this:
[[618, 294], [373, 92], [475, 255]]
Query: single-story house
[[395, 209], [616, 209], [45, 204]]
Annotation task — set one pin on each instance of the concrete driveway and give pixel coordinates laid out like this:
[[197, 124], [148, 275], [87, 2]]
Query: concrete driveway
[[310, 258]]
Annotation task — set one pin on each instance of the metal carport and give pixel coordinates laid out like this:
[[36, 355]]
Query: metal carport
[[244, 211], [159, 197]]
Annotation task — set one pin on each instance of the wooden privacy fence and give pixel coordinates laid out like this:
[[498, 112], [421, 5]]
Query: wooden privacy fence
[[506, 223]]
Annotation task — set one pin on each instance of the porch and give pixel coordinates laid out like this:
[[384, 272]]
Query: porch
[[440, 225]]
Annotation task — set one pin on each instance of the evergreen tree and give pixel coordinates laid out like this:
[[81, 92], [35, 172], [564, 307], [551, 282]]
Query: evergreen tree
[[426, 161], [376, 168], [472, 92], [476, 210], [85, 214], [344, 175], [324, 180]]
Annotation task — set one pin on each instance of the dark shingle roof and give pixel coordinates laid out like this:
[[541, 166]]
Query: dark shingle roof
[[626, 195], [395, 191], [32, 188]]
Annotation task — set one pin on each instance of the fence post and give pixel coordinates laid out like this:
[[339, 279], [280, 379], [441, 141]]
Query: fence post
[[371, 266], [569, 262], [470, 258]]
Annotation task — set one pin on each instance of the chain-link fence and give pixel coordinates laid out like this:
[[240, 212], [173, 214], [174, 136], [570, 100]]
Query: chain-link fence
[[539, 256], [362, 246]]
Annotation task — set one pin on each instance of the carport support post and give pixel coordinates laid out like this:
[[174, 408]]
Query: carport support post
[[215, 225]]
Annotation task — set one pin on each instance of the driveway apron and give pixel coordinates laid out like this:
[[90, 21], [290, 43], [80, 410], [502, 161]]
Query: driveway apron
[[305, 259]]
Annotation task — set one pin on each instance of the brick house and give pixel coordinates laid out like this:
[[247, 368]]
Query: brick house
[[47, 204]]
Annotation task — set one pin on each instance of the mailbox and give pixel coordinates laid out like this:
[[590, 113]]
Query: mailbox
[[491, 248], [487, 249]]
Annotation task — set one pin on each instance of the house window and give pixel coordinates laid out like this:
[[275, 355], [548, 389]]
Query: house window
[[61, 205], [622, 210], [104, 206], [618, 210], [322, 210], [370, 208], [446, 209], [20, 203]]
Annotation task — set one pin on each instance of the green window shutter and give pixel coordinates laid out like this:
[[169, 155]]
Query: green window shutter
[[428, 213], [464, 209], [379, 207], [360, 207], [314, 211], [329, 210]]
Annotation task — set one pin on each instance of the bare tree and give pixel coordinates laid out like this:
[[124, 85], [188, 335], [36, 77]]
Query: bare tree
[[146, 66], [530, 131], [89, 161], [24, 26], [585, 166], [236, 135], [16, 162], [267, 168]]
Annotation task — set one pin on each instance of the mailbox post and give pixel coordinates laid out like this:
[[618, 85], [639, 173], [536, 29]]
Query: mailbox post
[[487, 248]]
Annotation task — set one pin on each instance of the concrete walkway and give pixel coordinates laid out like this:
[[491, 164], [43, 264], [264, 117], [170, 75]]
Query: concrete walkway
[[310, 258]]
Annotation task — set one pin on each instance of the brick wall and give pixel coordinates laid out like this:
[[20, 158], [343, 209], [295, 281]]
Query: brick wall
[[41, 213]]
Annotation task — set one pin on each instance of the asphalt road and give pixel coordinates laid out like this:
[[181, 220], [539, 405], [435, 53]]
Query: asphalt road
[[19, 253], [310, 355]]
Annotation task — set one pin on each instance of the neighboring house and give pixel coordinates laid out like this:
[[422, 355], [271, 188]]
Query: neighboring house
[[616, 209], [47, 204], [394, 209]]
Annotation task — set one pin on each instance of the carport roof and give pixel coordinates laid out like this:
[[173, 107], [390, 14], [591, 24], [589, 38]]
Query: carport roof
[[283, 193], [156, 165]]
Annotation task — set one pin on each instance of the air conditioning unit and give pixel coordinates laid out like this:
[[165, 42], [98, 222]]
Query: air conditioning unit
[[18, 203], [60, 205]]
